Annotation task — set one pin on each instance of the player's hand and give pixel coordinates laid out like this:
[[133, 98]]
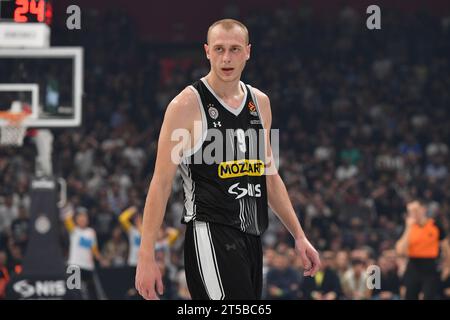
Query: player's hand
[[148, 279], [410, 220], [309, 256]]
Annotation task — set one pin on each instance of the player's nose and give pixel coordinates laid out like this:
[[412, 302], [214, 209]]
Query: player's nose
[[227, 57]]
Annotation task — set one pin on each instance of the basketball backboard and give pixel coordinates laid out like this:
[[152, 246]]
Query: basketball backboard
[[48, 80]]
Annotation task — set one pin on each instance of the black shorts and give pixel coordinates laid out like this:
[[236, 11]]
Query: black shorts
[[222, 262]]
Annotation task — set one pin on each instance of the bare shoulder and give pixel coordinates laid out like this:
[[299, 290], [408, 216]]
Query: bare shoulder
[[184, 102], [261, 96], [183, 109]]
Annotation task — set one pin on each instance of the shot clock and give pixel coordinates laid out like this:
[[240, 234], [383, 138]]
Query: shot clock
[[23, 11]]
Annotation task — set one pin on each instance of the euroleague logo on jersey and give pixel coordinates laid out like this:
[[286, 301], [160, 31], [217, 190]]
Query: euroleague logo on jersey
[[252, 109]]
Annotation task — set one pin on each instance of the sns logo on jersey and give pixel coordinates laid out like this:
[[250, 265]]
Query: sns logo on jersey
[[253, 190], [239, 168]]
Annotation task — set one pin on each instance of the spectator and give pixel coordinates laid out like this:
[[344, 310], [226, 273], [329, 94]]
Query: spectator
[[20, 229], [103, 221], [389, 283], [436, 169], [8, 212], [326, 284], [115, 250], [283, 282], [133, 231], [354, 282], [342, 263], [337, 100], [83, 250], [346, 170], [4, 274]]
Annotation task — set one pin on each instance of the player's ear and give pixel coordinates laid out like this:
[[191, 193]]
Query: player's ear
[[206, 47], [249, 46]]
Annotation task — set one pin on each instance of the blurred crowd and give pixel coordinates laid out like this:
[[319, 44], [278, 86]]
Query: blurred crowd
[[363, 118]]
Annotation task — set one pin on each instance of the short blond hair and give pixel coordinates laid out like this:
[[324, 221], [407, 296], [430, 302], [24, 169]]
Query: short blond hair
[[228, 24]]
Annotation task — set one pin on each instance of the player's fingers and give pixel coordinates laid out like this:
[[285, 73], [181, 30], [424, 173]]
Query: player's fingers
[[151, 294], [137, 285], [307, 272], [316, 263], [148, 293], [305, 260], [159, 285], [144, 291]]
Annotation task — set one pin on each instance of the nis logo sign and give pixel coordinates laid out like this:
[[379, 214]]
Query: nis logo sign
[[48, 289], [40, 289]]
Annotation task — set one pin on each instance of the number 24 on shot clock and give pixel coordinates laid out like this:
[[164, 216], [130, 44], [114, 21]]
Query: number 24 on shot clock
[[23, 11]]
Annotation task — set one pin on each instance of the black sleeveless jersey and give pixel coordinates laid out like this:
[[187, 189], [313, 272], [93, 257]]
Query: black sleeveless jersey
[[223, 175]]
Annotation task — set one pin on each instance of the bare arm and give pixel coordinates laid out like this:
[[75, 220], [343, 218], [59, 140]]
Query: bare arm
[[281, 204], [278, 196], [180, 115]]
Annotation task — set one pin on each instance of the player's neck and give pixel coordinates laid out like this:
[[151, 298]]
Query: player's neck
[[224, 89]]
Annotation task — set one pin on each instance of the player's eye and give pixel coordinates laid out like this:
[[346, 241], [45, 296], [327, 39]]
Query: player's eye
[[236, 49], [219, 49]]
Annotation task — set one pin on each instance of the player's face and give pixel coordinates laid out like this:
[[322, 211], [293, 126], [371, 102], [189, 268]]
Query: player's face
[[227, 52]]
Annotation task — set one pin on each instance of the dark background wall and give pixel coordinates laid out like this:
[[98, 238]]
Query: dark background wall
[[162, 20]]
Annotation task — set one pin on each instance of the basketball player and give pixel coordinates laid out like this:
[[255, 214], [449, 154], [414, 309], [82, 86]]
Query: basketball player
[[226, 202]]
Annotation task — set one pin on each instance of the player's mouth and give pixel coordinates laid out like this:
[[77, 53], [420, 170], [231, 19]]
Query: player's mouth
[[227, 71]]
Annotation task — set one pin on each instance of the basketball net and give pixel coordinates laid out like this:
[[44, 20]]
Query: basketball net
[[14, 129]]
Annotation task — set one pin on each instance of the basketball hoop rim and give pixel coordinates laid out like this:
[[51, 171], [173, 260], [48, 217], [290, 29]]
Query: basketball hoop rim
[[12, 128], [14, 118]]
